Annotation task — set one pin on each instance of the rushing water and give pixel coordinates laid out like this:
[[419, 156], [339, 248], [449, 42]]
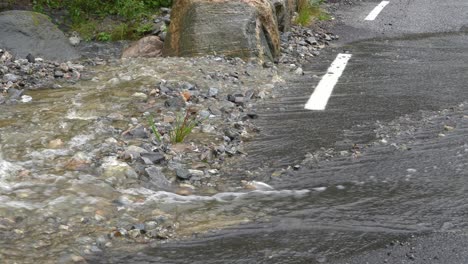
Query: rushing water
[[62, 189], [65, 196]]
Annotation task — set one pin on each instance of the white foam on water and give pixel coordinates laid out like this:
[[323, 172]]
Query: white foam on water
[[319, 189], [26, 99], [7, 168], [80, 140], [71, 114], [261, 185], [169, 197]]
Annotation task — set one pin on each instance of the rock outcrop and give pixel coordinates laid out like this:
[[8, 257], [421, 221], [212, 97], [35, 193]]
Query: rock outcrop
[[239, 28], [146, 47], [25, 32]]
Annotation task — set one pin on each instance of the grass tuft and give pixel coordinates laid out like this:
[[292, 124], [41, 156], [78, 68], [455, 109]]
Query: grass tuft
[[310, 10], [183, 127], [184, 124], [154, 128]]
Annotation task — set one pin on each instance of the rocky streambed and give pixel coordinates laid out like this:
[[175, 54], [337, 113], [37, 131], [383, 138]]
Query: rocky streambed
[[82, 169]]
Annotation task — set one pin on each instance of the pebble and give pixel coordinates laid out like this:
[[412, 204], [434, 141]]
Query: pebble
[[213, 92], [9, 77], [58, 74], [134, 233], [140, 96], [299, 71], [55, 144], [183, 174]]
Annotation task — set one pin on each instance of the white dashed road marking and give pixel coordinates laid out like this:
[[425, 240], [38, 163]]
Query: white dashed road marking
[[374, 13], [319, 98]]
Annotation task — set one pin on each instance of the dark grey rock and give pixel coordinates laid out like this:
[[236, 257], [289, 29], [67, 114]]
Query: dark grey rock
[[158, 178], [58, 74], [175, 102], [311, 41], [183, 174], [231, 134], [15, 93], [215, 110], [24, 32], [137, 132], [30, 58], [152, 158]]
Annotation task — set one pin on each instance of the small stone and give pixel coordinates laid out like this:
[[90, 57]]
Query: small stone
[[30, 58], [64, 67], [151, 225], [58, 74], [10, 77], [208, 129], [152, 157], [196, 173], [311, 41], [184, 191], [175, 102], [134, 233], [231, 134], [168, 119], [78, 259], [140, 96], [299, 71], [204, 114], [186, 95], [74, 40], [214, 110], [158, 178], [213, 171], [212, 92], [448, 128], [183, 174], [55, 144]]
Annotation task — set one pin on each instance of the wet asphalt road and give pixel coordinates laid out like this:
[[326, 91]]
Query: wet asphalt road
[[401, 200]]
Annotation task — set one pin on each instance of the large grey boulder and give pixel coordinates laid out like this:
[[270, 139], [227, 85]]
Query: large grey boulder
[[284, 11], [239, 28], [24, 32]]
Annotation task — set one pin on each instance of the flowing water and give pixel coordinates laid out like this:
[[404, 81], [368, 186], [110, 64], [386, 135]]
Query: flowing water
[[65, 196], [63, 190]]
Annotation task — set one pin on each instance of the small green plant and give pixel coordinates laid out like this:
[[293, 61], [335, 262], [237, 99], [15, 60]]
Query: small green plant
[[80, 12], [103, 36], [308, 10], [182, 127], [86, 30], [120, 32], [144, 29], [154, 128]]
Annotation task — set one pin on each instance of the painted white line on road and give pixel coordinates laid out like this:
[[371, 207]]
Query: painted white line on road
[[319, 98], [374, 13]]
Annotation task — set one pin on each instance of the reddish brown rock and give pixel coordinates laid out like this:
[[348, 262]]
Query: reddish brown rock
[[147, 47]]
